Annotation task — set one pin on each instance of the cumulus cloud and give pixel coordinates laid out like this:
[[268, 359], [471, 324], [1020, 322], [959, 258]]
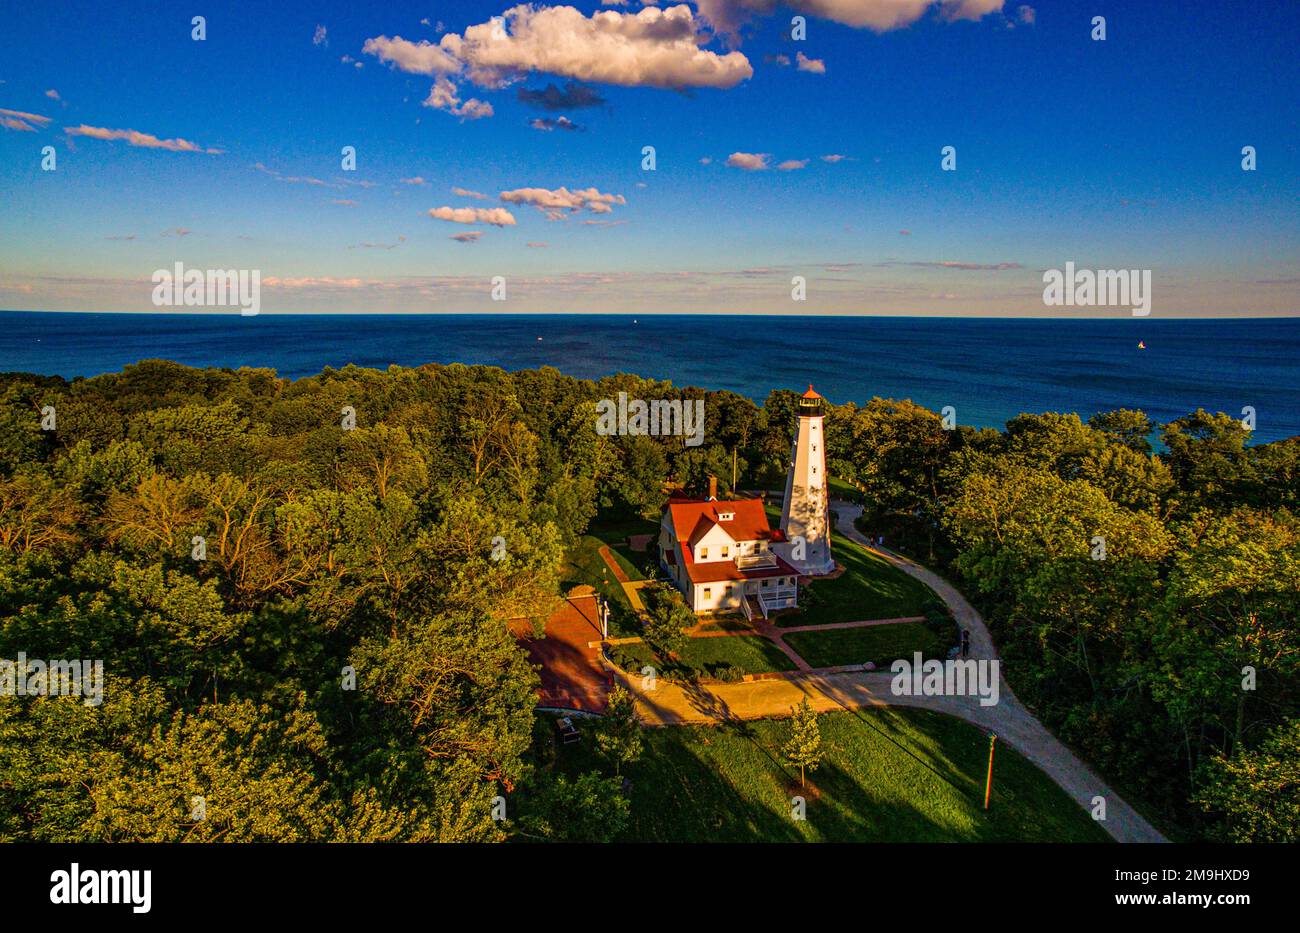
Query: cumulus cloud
[[445, 96], [877, 15], [559, 203], [547, 124], [573, 96], [650, 48], [466, 193], [790, 165], [21, 121], [422, 58], [653, 47], [496, 216], [136, 138], [749, 161], [814, 65]]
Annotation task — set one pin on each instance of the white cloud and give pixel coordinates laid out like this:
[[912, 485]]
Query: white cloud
[[445, 96], [815, 65], [22, 121], [877, 15], [653, 47], [52, 94], [749, 161], [466, 193], [319, 37], [833, 158], [496, 216], [422, 58], [470, 236], [548, 124], [790, 165], [417, 180], [136, 138], [558, 203]]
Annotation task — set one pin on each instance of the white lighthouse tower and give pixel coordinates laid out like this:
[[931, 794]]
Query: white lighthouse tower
[[805, 513]]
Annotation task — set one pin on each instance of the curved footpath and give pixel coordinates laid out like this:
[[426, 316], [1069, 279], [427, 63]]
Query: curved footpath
[[670, 704]]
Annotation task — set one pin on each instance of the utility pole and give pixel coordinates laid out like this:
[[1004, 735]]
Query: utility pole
[[988, 783]]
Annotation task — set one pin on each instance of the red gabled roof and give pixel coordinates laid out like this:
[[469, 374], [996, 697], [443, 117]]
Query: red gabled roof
[[693, 519], [810, 393]]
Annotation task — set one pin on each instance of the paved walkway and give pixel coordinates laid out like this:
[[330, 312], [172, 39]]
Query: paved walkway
[[572, 672], [1009, 719], [629, 585]]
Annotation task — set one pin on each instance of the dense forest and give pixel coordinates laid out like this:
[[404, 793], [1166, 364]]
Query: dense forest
[[300, 589]]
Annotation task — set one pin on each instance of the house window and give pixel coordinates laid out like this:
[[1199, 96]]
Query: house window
[[765, 583], [726, 551], [762, 545], [704, 553], [708, 591]]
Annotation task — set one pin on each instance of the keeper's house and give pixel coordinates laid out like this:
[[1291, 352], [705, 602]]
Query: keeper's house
[[721, 556]]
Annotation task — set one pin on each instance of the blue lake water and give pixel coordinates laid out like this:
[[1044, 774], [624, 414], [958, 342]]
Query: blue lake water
[[989, 369]]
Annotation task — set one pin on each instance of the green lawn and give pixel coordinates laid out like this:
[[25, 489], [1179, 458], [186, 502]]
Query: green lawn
[[882, 644], [870, 588], [584, 565], [704, 657], [888, 775]]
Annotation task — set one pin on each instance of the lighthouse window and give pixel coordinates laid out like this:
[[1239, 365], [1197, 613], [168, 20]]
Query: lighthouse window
[[814, 471], [814, 448]]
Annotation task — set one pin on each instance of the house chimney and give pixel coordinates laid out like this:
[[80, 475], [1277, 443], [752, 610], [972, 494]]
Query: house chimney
[[713, 488]]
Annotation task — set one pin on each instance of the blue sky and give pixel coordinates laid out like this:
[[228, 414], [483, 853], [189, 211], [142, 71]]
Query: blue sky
[[1123, 153]]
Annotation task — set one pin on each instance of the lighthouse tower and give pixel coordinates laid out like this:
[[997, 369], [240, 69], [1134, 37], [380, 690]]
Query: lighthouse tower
[[805, 513]]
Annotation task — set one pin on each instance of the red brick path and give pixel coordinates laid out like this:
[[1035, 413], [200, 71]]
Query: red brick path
[[571, 672]]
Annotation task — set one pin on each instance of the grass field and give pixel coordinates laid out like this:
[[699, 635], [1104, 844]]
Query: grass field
[[870, 588], [881, 644], [888, 775], [746, 654]]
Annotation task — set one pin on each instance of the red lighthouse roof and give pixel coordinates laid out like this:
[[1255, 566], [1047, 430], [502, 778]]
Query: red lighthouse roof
[[810, 393]]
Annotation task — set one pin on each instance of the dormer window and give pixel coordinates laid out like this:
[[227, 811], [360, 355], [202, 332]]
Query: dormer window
[[726, 516]]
